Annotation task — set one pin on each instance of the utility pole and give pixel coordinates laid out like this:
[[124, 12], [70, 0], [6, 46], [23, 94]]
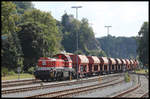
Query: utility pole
[[76, 7], [108, 29]]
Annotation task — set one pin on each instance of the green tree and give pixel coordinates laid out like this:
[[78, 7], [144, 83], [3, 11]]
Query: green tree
[[49, 25], [86, 39], [69, 31], [86, 34], [143, 44], [11, 49], [9, 18], [22, 6], [39, 36]]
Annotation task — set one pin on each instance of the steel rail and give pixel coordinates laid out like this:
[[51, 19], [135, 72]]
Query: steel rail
[[14, 81], [145, 94], [127, 91], [21, 83], [130, 90], [64, 93], [52, 85]]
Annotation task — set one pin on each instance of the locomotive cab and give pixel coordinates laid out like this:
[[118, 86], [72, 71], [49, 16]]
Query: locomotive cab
[[48, 68]]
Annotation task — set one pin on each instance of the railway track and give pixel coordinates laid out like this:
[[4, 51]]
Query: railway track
[[127, 91], [6, 84], [70, 92], [51, 85], [19, 83], [136, 91], [145, 95], [15, 81]]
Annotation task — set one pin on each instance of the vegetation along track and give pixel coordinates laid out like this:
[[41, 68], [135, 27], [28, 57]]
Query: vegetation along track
[[52, 85], [70, 92]]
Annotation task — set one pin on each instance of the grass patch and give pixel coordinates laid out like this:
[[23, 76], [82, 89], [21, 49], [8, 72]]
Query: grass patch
[[15, 76], [127, 77], [142, 71]]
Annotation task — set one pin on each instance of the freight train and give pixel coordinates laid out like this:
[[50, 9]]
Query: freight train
[[64, 66]]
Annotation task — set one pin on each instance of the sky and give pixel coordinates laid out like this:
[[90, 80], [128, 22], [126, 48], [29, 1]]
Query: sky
[[125, 18]]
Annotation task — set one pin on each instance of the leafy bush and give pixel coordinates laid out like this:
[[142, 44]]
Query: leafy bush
[[31, 70], [4, 71], [127, 77], [11, 72]]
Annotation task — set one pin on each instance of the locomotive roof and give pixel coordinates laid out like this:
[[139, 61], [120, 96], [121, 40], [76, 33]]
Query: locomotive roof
[[118, 60], [112, 60], [49, 59], [66, 55]]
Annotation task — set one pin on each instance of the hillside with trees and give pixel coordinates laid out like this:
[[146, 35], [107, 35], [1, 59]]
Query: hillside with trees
[[119, 47]]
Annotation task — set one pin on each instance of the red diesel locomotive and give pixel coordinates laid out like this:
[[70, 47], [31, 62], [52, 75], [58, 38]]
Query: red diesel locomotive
[[64, 66]]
